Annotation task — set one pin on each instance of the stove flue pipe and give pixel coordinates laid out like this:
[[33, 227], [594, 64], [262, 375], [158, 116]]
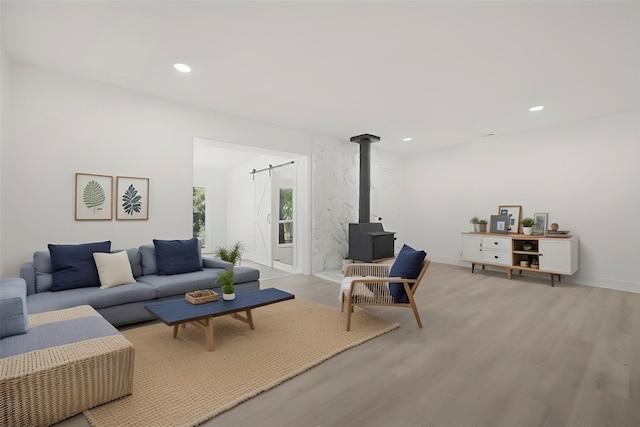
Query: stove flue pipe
[[365, 141]]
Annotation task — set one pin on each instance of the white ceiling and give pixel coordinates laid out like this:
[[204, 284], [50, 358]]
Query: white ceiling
[[440, 72]]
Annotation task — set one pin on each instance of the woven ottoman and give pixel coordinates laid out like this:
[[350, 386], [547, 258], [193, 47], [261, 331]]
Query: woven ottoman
[[68, 361]]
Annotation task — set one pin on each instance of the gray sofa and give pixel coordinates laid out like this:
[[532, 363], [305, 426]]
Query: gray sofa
[[54, 363], [124, 304]]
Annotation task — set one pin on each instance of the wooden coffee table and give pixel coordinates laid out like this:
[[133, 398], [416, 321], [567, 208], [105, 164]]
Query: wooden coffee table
[[178, 312]]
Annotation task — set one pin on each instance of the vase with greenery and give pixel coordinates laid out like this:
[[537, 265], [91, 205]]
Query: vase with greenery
[[527, 225], [226, 280], [479, 224], [232, 254]]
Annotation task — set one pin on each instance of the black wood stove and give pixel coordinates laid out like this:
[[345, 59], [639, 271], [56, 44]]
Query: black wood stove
[[368, 241]]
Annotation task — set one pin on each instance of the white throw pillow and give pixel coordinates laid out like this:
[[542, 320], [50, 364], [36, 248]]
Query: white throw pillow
[[113, 269]]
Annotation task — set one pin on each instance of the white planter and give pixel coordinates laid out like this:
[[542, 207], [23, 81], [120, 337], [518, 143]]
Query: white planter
[[229, 297], [527, 231]]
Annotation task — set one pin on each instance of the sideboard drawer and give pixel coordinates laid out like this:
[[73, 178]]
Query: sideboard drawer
[[496, 243], [496, 257]]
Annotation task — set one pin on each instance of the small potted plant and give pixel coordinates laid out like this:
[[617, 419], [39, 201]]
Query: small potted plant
[[227, 279], [527, 226], [479, 224]]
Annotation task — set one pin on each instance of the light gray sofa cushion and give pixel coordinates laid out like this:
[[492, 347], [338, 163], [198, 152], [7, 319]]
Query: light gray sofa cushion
[[95, 297], [148, 260], [13, 307], [55, 334], [44, 272], [134, 259], [182, 283]]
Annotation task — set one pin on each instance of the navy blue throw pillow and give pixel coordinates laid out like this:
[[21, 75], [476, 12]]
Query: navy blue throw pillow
[[73, 265], [177, 256], [406, 266]]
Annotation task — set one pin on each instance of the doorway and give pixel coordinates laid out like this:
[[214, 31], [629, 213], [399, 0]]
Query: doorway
[[269, 210]]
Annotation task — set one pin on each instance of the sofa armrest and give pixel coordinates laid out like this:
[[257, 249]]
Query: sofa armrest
[[28, 273], [216, 263]]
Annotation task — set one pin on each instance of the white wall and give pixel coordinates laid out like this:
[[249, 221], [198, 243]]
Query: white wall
[[4, 84], [335, 200], [388, 197], [585, 175], [61, 125]]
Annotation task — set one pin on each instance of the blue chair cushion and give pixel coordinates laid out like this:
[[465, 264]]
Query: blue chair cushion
[[406, 266], [73, 265], [177, 256]]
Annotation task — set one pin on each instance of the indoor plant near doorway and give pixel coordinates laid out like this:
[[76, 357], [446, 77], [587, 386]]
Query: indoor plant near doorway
[[227, 279], [232, 254], [527, 226]]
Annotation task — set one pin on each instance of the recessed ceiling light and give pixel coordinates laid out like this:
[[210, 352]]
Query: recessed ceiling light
[[407, 139], [537, 108], [182, 68]]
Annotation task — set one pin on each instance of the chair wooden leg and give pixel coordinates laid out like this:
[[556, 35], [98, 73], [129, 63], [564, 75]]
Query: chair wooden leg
[[415, 312], [349, 311]]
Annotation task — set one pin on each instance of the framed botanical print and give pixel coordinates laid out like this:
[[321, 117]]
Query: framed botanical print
[[132, 198], [540, 225], [514, 213], [93, 197]]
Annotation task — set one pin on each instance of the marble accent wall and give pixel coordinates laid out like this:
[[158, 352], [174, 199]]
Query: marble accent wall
[[334, 169]]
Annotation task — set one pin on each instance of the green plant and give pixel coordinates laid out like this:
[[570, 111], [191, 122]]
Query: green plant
[[232, 254], [477, 220], [528, 222], [199, 205], [226, 280]]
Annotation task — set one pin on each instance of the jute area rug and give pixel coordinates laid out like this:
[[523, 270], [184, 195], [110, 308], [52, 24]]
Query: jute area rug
[[178, 383]]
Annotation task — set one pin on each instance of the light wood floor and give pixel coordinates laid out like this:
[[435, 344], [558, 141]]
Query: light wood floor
[[493, 352]]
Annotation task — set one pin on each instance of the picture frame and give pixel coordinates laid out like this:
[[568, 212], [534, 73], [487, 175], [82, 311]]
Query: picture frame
[[499, 224], [514, 212], [93, 194], [132, 198], [540, 226]]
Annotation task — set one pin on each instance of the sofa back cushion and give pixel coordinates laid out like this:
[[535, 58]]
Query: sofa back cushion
[[44, 273], [148, 260], [177, 256], [43, 270], [13, 307], [135, 260], [73, 265]]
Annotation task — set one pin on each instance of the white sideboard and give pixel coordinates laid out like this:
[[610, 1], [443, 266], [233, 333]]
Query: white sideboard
[[542, 254]]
